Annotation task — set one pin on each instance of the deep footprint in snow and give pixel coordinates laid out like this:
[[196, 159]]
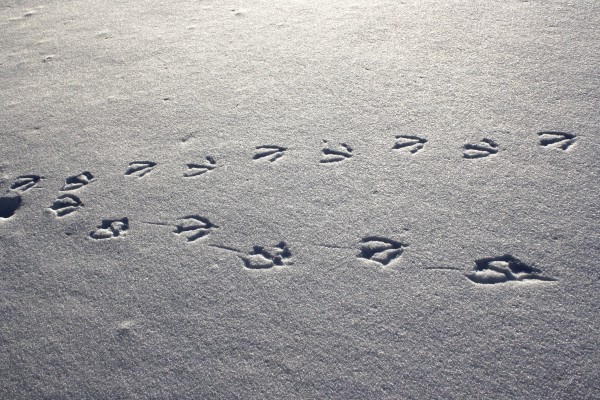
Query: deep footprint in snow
[[410, 143], [381, 250], [485, 148], [66, 204], [504, 269], [337, 154], [25, 182], [9, 205], [193, 227], [77, 181], [267, 257], [140, 168], [111, 228]]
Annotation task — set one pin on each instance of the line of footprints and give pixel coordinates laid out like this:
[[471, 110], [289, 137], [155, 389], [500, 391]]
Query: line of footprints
[[409, 143], [335, 153], [379, 250]]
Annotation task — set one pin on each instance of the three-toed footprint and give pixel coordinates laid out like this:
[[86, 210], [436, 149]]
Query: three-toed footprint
[[410, 143], [485, 148], [199, 169], [25, 182], [270, 152], [140, 168], [560, 140], [193, 227], [65, 204], [332, 154], [77, 181]]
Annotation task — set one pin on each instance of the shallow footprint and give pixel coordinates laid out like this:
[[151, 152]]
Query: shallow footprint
[[268, 257], [274, 152], [199, 169], [560, 140], [77, 181], [410, 143], [25, 182], [140, 168], [333, 155], [485, 148], [65, 205], [111, 228], [193, 227], [381, 250], [503, 269]]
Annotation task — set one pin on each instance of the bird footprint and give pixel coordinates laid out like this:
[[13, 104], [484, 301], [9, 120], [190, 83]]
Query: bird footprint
[[111, 228], [268, 257], [273, 152], [331, 155], [482, 149], [503, 269], [77, 181], [381, 250], [140, 168], [25, 182], [65, 205], [199, 169], [193, 227]]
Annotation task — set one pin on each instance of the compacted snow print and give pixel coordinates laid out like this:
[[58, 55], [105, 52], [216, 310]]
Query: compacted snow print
[[300, 200]]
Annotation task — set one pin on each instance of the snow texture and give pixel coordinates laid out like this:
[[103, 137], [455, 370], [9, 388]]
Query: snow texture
[[366, 199]]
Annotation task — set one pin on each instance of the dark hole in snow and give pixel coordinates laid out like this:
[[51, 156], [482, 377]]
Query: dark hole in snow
[[8, 206]]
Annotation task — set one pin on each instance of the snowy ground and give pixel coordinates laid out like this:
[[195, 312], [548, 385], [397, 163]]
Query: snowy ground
[[299, 199]]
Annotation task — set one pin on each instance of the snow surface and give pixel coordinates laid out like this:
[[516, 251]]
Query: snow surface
[[449, 249]]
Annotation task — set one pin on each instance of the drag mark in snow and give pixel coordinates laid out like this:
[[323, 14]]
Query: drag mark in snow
[[485, 148], [65, 205], [559, 140], [411, 143], [111, 228], [503, 269], [381, 250], [140, 168], [270, 152], [332, 155]]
